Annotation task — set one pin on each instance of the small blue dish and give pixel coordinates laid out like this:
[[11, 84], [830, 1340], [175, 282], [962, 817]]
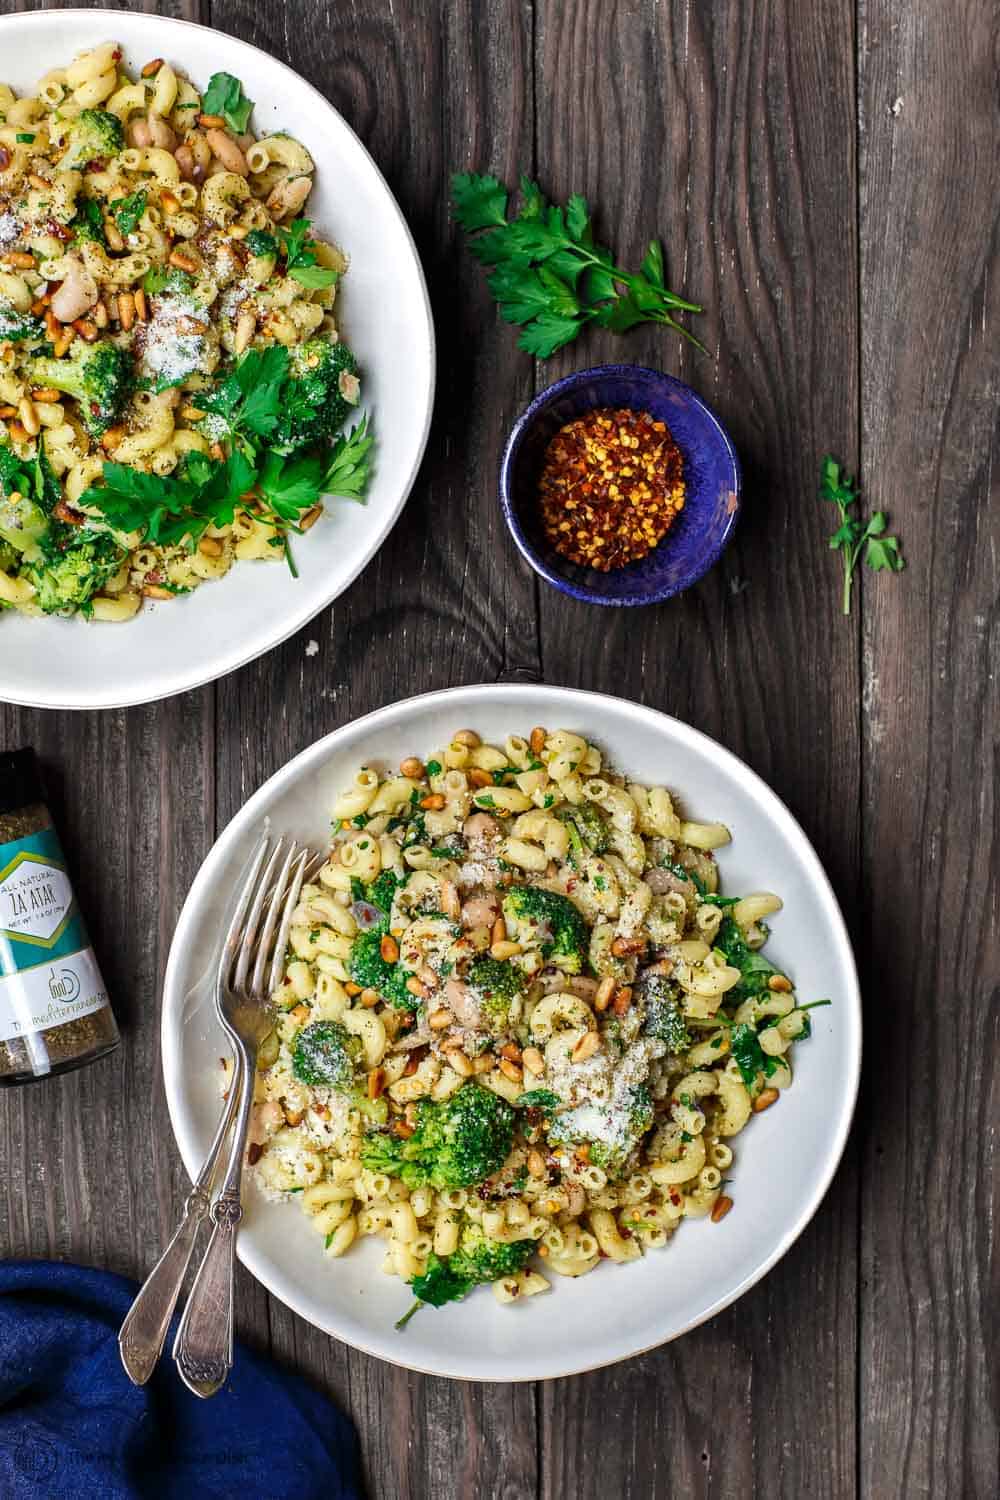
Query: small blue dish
[[711, 480]]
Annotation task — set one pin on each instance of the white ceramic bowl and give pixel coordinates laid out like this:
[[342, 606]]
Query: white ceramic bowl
[[173, 646], [784, 1160]]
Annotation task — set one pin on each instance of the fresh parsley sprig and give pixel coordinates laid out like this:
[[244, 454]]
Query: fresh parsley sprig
[[548, 274], [854, 535], [300, 256], [225, 97]]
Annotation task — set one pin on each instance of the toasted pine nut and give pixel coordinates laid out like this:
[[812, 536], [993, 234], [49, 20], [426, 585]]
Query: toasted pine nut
[[720, 1208], [586, 1046], [458, 1061], [192, 413], [86, 329], [368, 998], [440, 1020], [376, 1083], [17, 433], [246, 327], [389, 949], [604, 992], [310, 518], [41, 183], [511, 1050], [153, 591], [401, 1129], [416, 988], [511, 1070], [536, 1164], [141, 310], [533, 1061], [170, 202], [780, 984], [19, 258], [62, 343], [29, 417], [47, 395], [183, 261], [113, 235], [8, 411], [467, 737], [434, 802], [622, 1000], [480, 778], [100, 315], [153, 66], [211, 122], [764, 1100], [112, 438], [53, 327], [411, 767], [126, 310], [210, 546], [352, 988], [503, 950], [483, 1063], [499, 933], [299, 1012], [621, 947], [537, 740], [451, 901]]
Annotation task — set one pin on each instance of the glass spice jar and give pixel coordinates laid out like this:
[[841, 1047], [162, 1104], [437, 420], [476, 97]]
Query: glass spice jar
[[54, 1012]]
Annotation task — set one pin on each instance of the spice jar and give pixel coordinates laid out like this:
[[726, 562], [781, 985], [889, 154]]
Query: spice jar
[[54, 1012]]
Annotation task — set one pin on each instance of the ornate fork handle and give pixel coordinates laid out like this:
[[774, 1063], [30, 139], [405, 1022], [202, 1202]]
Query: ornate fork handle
[[144, 1330]]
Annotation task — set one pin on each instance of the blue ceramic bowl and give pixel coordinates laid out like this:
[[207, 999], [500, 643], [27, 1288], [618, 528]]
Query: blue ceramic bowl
[[711, 478]]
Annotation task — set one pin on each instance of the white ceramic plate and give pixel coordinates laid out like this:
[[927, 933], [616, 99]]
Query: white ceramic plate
[[784, 1160], [386, 318]]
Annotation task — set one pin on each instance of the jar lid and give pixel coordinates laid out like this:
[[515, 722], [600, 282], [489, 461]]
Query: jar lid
[[20, 780]]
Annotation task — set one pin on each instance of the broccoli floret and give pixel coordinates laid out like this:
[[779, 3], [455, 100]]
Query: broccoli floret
[[498, 987], [664, 1019], [17, 327], [260, 242], [93, 135], [325, 1053], [624, 1120], [457, 1142], [368, 968], [476, 1261], [586, 823], [316, 399], [382, 889], [550, 921], [98, 375], [67, 580]]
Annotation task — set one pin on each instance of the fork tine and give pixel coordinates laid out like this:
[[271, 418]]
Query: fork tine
[[242, 905], [246, 941], [281, 942], [263, 946]]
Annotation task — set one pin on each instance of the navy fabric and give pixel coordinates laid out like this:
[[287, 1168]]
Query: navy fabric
[[74, 1427]]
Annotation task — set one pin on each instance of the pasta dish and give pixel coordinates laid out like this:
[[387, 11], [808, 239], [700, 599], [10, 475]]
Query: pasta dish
[[519, 1025], [173, 388]]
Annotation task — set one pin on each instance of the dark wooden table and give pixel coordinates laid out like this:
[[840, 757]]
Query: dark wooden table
[[826, 179]]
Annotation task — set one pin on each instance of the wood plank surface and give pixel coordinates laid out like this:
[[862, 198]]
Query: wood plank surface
[[852, 306]]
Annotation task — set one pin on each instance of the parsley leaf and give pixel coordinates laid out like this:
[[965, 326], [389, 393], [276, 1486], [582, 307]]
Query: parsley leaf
[[224, 96], [548, 274], [128, 211], [300, 256], [855, 536], [290, 485], [248, 401], [348, 463], [88, 222]]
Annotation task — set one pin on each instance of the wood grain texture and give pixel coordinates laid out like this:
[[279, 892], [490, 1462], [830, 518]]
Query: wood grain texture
[[930, 381]]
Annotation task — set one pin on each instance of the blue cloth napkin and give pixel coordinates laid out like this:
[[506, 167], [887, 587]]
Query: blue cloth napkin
[[74, 1427]]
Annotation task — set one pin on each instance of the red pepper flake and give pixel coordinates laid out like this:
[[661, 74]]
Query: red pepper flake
[[611, 487]]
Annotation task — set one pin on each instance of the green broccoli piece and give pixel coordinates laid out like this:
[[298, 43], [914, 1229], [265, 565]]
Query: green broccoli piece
[[497, 986], [457, 1142], [99, 376], [67, 579], [325, 1053], [368, 968], [260, 243], [543, 1099], [17, 327], [547, 920], [476, 1261], [321, 390], [663, 1019], [382, 889], [94, 135], [88, 223], [585, 825], [624, 1122]]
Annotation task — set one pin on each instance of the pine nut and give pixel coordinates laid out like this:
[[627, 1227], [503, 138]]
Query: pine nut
[[467, 737], [764, 1100], [458, 1061], [46, 395], [604, 992], [479, 778], [29, 417], [152, 67], [511, 1070], [310, 518], [141, 310], [300, 1012], [246, 327], [411, 768], [433, 803], [389, 949], [170, 202], [352, 988], [537, 740], [376, 1083], [19, 258], [126, 310], [5, 412], [62, 343], [86, 329], [113, 235], [41, 183], [511, 1050], [100, 315], [17, 433], [586, 1046], [622, 1000], [499, 932], [112, 438], [401, 1129], [209, 546], [720, 1208], [451, 901], [368, 998], [416, 988], [153, 591], [536, 1164], [212, 122], [503, 950], [780, 984], [533, 1061], [192, 413], [440, 1020], [182, 261], [622, 947]]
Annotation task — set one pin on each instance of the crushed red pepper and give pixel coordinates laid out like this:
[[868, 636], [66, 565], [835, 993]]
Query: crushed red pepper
[[611, 487]]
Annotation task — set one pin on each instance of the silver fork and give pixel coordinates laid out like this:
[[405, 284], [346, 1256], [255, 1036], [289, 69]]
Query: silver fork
[[203, 1348], [144, 1329]]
